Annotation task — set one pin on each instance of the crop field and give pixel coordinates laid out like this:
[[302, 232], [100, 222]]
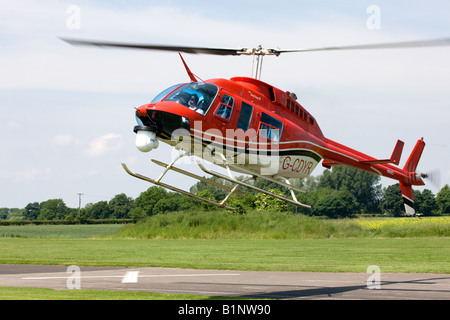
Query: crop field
[[401, 227], [254, 225], [275, 225]]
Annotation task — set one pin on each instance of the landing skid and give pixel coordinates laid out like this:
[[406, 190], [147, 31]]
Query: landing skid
[[167, 186], [230, 178]]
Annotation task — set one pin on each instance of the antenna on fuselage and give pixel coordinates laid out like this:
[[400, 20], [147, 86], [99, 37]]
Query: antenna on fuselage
[[192, 76]]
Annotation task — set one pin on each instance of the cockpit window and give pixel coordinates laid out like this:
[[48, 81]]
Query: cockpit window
[[164, 94], [197, 96]]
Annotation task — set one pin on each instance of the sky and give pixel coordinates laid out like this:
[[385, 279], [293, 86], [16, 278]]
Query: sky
[[67, 113]]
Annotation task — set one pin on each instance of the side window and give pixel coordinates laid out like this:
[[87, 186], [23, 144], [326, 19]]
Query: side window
[[245, 116], [270, 127], [225, 107]]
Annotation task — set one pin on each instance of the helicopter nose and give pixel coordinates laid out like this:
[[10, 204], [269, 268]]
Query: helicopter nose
[[146, 138]]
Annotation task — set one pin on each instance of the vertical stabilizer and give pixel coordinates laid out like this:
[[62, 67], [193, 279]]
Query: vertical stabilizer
[[408, 198], [414, 158], [410, 169]]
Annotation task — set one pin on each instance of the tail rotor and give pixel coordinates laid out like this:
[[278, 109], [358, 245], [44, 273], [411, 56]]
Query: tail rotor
[[434, 178]]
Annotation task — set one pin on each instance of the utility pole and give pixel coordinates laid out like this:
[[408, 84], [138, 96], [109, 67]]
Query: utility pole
[[79, 205]]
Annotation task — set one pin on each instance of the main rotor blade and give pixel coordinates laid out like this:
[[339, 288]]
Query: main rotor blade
[[392, 45], [194, 50], [258, 50]]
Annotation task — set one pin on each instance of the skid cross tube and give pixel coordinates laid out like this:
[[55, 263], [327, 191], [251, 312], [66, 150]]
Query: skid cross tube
[[193, 175], [231, 179]]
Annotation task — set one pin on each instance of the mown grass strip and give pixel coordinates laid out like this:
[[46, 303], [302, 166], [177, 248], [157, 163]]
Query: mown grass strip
[[15, 293], [428, 255]]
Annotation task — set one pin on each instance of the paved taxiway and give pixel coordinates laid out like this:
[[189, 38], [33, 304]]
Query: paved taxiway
[[257, 284]]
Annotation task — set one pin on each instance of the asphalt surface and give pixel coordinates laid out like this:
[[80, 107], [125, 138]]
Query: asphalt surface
[[255, 284]]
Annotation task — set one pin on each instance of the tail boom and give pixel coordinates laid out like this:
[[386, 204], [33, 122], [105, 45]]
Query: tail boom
[[407, 177]]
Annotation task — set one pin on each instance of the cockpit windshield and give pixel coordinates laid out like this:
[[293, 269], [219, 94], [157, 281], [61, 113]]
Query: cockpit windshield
[[164, 94], [197, 96]]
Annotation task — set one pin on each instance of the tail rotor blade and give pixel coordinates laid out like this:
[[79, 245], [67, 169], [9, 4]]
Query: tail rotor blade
[[434, 177]]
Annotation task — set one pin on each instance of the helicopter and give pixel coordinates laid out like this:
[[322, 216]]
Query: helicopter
[[250, 127]]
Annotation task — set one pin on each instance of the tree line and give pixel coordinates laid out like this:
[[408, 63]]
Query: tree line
[[341, 192]]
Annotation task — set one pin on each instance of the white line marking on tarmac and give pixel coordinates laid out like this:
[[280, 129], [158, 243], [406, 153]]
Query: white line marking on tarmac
[[141, 276], [131, 277]]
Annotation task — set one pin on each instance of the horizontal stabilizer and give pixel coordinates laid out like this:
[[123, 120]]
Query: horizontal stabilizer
[[395, 157], [329, 163]]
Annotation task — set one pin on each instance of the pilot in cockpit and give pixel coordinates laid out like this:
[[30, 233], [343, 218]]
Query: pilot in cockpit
[[192, 104]]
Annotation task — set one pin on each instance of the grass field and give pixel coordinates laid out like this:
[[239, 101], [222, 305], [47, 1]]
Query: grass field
[[8, 293], [326, 255], [239, 242], [254, 241], [275, 225]]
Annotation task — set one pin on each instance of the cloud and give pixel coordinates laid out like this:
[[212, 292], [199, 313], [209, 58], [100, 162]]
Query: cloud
[[36, 58], [106, 143], [26, 175], [63, 140]]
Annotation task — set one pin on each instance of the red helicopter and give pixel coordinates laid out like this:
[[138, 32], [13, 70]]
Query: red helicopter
[[250, 127]]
